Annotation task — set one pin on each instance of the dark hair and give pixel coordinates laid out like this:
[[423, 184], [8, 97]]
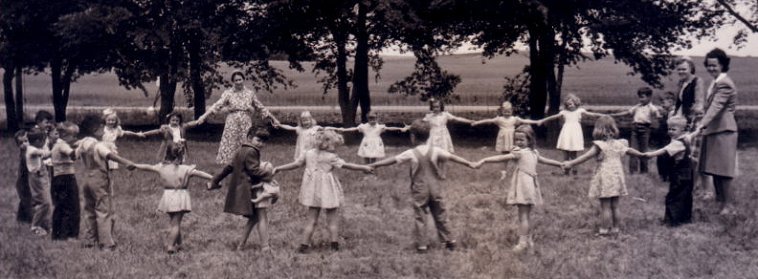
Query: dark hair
[[89, 125], [420, 129], [719, 55], [177, 114], [645, 91], [19, 134], [238, 73], [432, 101], [689, 62], [42, 115], [669, 95], [175, 152], [35, 135], [531, 141], [260, 133]]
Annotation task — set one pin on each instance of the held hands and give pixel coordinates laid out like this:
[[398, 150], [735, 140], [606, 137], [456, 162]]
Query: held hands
[[475, 165], [131, 167], [566, 166]]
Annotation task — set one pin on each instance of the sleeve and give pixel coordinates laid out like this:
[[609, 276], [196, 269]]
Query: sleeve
[[625, 144], [102, 150], [66, 149], [262, 110], [119, 132], [220, 103], [253, 164], [722, 93], [405, 156], [336, 161], [674, 147], [698, 106], [632, 109]]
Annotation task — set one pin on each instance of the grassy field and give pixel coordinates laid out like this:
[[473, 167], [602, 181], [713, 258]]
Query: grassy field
[[376, 227], [600, 82]]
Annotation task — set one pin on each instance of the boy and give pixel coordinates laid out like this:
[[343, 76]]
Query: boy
[[64, 189], [426, 183], [661, 136], [24, 213], [39, 181], [643, 115], [246, 171], [43, 120], [679, 197], [97, 186]]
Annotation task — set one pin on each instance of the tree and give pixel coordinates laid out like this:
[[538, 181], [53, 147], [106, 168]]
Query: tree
[[731, 14]]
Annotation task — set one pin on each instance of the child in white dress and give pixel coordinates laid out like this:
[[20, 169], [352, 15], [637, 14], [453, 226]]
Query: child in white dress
[[608, 183], [320, 188], [372, 146], [112, 131], [175, 181], [571, 138], [439, 136], [306, 132], [270, 186], [524, 191]]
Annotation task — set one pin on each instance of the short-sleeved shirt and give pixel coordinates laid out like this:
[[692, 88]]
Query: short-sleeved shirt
[[34, 158], [675, 149], [644, 114], [62, 162], [94, 153], [408, 155]]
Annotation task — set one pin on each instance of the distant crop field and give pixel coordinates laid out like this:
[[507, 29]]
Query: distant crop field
[[600, 82], [376, 226]]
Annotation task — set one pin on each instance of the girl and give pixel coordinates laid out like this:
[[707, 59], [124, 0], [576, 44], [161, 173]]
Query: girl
[[439, 136], [112, 131], [524, 191], [175, 181], [320, 188], [507, 124], [571, 138], [306, 132], [173, 132], [372, 146], [608, 182]]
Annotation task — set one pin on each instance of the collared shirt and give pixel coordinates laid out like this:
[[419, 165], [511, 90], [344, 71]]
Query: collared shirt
[[94, 154], [34, 159], [644, 114], [61, 158], [675, 149]]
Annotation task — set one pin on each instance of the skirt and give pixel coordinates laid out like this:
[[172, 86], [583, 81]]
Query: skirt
[[718, 154], [175, 200]]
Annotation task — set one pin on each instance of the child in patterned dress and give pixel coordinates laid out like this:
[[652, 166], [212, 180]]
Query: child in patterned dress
[[320, 188], [571, 138], [306, 130], [372, 146], [112, 131], [175, 181], [608, 183], [268, 184], [524, 191]]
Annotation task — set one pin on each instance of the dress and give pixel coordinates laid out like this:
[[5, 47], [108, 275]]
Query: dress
[[524, 188], [305, 139], [320, 188], [439, 136], [571, 137], [504, 142], [110, 135], [609, 180], [372, 145], [240, 106], [174, 179]]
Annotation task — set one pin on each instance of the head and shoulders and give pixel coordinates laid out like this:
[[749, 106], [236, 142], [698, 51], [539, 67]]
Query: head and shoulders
[[436, 109], [717, 63], [572, 104], [605, 134]]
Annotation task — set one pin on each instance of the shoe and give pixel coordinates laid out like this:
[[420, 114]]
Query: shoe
[[108, 248], [422, 249], [450, 245], [335, 246], [522, 244], [171, 250], [602, 232], [303, 249], [615, 231], [39, 231]]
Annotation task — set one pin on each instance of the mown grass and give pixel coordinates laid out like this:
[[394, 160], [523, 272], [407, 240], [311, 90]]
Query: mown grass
[[376, 225], [600, 82]]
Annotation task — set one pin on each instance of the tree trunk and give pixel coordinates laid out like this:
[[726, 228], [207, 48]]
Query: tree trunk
[[361, 94], [56, 66], [196, 77], [343, 91], [10, 104], [20, 95], [547, 53], [537, 75], [168, 91]]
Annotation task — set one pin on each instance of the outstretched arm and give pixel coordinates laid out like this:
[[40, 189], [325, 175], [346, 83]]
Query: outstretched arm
[[460, 119], [114, 157], [398, 129], [291, 166], [595, 114], [549, 118], [634, 152], [145, 167], [201, 174], [132, 134], [151, 133], [655, 153], [192, 124], [351, 166], [352, 129], [484, 121], [286, 127], [457, 159], [495, 159], [548, 161], [384, 162], [586, 156]]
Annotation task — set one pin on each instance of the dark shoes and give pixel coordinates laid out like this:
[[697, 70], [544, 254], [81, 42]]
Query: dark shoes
[[303, 249], [450, 245]]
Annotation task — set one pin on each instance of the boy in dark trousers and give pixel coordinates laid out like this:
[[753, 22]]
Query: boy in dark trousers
[[643, 115], [24, 213], [426, 183]]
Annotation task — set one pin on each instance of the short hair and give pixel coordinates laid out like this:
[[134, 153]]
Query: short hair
[[108, 112], [36, 134], [67, 128], [720, 56], [571, 97], [372, 114], [42, 115], [177, 114], [505, 106], [645, 91], [677, 121], [420, 129], [238, 73], [687, 60], [605, 128], [89, 125], [433, 100], [260, 133], [19, 134], [175, 151], [669, 95], [328, 138], [531, 140]]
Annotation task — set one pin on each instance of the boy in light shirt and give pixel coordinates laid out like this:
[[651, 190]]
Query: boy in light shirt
[[64, 189], [39, 181]]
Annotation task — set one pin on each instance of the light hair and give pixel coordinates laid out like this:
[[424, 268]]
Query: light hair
[[677, 121], [605, 128], [531, 140], [307, 114], [328, 139], [571, 97], [110, 112], [67, 128]]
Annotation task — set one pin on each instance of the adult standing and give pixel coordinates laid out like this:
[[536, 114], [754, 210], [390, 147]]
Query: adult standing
[[240, 104], [719, 129]]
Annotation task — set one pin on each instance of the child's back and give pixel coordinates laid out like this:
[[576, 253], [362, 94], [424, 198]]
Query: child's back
[[609, 180]]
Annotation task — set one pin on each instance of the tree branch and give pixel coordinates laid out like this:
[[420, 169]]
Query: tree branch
[[750, 25]]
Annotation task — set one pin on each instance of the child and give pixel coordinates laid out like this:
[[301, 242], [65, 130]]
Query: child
[[43, 120], [608, 183], [246, 171], [320, 189], [306, 132], [372, 146], [173, 132], [64, 189], [507, 124], [112, 131], [97, 186], [439, 136], [571, 138], [680, 175], [175, 181], [39, 181], [643, 115], [663, 163], [268, 184], [524, 191], [426, 183], [24, 212]]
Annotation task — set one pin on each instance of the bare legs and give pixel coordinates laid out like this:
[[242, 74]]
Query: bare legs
[[524, 239], [260, 219], [569, 155], [332, 222], [609, 215], [174, 232]]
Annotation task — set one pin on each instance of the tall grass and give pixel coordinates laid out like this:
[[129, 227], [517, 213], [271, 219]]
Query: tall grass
[[376, 225]]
